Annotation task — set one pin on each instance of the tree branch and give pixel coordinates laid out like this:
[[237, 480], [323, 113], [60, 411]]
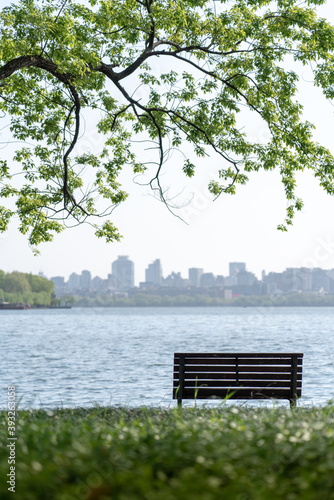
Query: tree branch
[[33, 60], [76, 106]]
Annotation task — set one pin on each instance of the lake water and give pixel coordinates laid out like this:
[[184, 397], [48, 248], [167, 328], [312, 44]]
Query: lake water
[[124, 356]]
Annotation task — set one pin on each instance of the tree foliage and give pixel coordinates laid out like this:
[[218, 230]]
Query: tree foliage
[[17, 282], [168, 72]]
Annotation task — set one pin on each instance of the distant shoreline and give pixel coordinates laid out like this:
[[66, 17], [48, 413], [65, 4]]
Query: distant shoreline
[[193, 306], [17, 307], [138, 300]]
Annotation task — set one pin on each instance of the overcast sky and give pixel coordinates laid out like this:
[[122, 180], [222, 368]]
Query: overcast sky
[[233, 228]]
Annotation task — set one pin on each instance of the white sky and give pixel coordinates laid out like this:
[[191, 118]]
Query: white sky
[[233, 228]]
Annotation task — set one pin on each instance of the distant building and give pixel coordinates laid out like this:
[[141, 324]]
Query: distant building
[[297, 280], [60, 287], [111, 282], [207, 280], [331, 280], [175, 280], [234, 269], [290, 280], [273, 283], [123, 272], [85, 280], [98, 284], [195, 274], [305, 279], [245, 278], [59, 281], [153, 273], [220, 280], [73, 281], [293, 280], [320, 280]]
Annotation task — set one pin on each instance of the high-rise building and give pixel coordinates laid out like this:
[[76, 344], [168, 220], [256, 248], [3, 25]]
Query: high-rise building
[[320, 280], [297, 279], [245, 278], [98, 284], [153, 273], [331, 280], [305, 279], [112, 285], [207, 280], [59, 281], [123, 271], [220, 280], [175, 280], [273, 283], [85, 280], [73, 281], [234, 269], [195, 274]]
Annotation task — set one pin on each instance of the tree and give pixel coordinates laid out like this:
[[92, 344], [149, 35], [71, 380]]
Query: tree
[[62, 61], [16, 283], [27, 288], [39, 284]]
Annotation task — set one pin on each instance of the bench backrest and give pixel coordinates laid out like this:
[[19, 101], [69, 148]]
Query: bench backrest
[[237, 376]]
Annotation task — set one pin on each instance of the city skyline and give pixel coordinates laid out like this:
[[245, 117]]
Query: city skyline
[[234, 269], [240, 282]]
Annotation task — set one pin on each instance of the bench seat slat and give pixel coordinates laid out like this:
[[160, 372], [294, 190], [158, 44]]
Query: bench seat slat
[[242, 376], [231, 383], [239, 355], [241, 362], [245, 369]]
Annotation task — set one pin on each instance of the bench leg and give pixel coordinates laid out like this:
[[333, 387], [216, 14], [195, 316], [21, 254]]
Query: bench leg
[[293, 403]]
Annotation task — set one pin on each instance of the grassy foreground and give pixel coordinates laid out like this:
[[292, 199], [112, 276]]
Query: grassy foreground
[[229, 453]]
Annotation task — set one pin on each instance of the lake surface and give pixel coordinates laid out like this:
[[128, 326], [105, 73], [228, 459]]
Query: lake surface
[[124, 356]]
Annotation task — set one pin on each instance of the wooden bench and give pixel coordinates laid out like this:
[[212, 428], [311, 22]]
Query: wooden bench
[[237, 376]]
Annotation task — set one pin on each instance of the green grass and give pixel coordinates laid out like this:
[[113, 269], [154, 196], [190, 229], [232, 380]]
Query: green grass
[[228, 453]]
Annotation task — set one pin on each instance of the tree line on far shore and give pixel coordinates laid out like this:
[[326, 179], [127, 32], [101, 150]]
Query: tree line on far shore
[[25, 288], [145, 300]]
